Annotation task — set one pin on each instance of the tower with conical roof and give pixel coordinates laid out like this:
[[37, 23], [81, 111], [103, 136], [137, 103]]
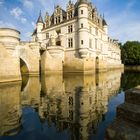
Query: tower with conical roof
[[105, 26], [83, 31], [39, 25]]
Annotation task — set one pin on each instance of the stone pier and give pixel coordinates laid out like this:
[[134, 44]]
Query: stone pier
[[127, 123]]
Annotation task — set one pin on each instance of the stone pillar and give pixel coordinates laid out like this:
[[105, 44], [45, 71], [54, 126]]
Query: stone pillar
[[36, 48]]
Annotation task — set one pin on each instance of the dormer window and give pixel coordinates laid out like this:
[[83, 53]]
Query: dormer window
[[70, 10]]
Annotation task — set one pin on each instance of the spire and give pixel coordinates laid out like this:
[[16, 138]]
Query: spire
[[70, 2], [104, 21], [83, 1], [40, 20]]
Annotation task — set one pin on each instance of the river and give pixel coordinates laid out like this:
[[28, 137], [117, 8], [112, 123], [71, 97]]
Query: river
[[62, 107]]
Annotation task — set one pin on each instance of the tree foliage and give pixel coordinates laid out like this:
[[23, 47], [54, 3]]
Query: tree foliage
[[130, 53]]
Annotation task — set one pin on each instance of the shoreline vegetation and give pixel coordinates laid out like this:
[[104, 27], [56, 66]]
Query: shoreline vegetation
[[130, 55]]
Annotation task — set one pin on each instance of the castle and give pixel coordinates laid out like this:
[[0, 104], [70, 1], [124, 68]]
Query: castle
[[75, 40]]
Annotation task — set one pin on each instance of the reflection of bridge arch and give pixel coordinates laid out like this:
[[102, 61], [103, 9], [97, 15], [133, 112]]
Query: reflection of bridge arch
[[29, 95]]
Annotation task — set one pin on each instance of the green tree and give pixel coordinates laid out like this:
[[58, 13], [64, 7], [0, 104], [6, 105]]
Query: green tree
[[130, 53]]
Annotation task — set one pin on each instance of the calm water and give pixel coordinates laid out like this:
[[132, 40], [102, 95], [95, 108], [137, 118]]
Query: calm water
[[62, 107]]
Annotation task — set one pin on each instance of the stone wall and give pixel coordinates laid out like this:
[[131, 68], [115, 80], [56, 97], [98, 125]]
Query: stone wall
[[50, 64], [30, 56], [9, 66], [73, 63], [126, 126]]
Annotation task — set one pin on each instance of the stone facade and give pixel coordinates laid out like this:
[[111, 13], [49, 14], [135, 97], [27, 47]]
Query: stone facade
[[77, 39], [15, 54]]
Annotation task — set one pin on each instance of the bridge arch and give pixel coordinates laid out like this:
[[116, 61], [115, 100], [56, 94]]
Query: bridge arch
[[29, 61], [23, 67]]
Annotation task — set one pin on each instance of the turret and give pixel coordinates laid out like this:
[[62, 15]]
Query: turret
[[105, 26], [83, 27], [39, 25]]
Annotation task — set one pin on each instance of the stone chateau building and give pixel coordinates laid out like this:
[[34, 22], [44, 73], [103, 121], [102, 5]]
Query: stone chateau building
[[71, 40], [77, 39]]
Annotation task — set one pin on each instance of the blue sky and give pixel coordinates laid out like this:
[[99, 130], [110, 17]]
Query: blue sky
[[122, 16]]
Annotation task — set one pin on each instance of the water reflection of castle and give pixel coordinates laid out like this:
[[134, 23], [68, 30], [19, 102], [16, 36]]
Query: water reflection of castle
[[73, 102], [77, 103]]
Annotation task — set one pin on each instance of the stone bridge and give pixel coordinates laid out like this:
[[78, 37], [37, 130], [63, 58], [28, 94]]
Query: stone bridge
[[17, 57]]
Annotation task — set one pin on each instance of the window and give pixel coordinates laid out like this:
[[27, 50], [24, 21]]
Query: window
[[90, 29], [70, 15], [95, 43], [59, 19], [82, 25], [82, 42], [101, 46], [56, 20], [90, 43], [47, 35], [96, 31], [58, 43], [70, 29], [82, 12], [70, 42]]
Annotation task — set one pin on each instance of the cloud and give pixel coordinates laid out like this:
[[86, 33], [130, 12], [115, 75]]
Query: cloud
[[121, 16], [1, 2], [28, 34], [17, 13], [6, 25], [28, 4], [124, 25], [33, 24], [23, 20]]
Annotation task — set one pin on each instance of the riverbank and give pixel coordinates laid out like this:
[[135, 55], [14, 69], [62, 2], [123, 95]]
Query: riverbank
[[132, 68]]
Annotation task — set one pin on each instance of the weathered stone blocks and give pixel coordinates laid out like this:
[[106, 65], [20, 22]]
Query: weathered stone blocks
[[9, 66], [127, 124]]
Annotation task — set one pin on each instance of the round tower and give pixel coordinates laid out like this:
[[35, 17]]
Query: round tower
[[83, 27], [39, 27], [10, 38]]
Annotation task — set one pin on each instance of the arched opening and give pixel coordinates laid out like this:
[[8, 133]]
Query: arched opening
[[23, 68], [97, 64], [24, 74]]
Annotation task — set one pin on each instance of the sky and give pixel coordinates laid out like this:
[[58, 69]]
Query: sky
[[122, 16]]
